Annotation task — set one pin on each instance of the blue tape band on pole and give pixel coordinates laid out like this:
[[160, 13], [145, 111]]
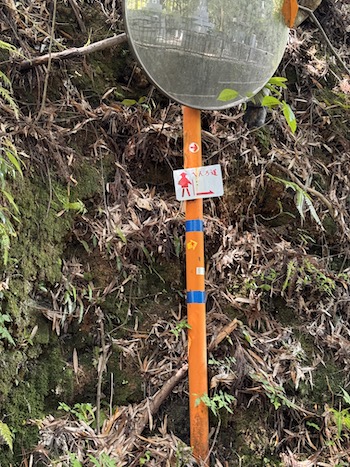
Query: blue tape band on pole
[[196, 296], [195, 225]]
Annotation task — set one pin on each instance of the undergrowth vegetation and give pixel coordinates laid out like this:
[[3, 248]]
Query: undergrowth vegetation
[[10, 168], [93, 328]]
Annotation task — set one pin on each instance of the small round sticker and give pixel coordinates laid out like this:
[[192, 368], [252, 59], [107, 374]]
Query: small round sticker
[[193, 147]]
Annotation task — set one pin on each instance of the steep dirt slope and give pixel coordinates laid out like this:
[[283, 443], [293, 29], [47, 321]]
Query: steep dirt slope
[[93, 315]]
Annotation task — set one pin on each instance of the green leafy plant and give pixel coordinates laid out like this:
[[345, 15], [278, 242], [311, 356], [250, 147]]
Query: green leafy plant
[[220, 400], [144, 102], [6, 91], [302, 199], [82, 411], [313, 275], [74, 461], [313, 425], [262, 281], [275, 392], [341, 417], [225, 364], [274, 101], [6, 46], [307, 274], [291, 268], [179, 326], [145, 458], [6, 435], [270, 96], [75, 295], [72, 303], [4, 333], [104, 460], [183, 455], [121, 235], [68, 205]]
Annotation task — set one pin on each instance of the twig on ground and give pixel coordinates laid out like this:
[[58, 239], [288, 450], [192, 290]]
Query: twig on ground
[[73, 52]]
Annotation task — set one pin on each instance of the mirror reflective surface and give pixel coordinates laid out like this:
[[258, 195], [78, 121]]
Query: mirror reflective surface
[[193, 50]]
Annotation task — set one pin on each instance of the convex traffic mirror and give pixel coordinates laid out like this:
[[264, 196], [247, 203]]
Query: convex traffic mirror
[[207, 54]]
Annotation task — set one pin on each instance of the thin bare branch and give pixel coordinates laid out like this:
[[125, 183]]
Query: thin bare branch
[[74, 52]]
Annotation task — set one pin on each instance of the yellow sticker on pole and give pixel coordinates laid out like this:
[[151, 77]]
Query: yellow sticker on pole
[[191, 245]]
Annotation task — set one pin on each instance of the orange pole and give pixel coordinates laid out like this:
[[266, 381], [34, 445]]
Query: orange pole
[[196, 315]]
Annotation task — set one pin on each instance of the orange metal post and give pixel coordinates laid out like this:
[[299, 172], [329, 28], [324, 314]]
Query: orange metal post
[[197, 343]]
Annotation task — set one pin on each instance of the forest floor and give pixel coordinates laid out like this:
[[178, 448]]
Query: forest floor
[[93, 319]]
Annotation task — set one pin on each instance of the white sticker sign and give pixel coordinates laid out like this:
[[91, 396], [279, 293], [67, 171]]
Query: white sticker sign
[[198, 182]]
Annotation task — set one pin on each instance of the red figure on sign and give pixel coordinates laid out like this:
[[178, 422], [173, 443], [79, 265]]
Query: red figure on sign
[[184, 182]]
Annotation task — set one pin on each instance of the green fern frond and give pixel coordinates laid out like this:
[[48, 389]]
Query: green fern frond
[[5, 335], [6, 91], [10, 165], [12, 154], [6, 46], [6, 435], [5, 94], [5, 80], [302, 198]]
